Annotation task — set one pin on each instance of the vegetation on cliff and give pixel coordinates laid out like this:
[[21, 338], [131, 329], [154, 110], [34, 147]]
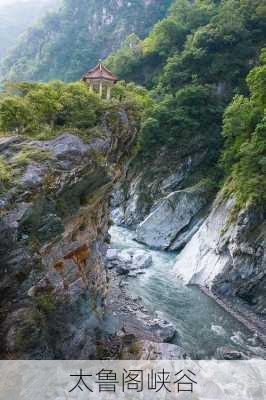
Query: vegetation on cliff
[[195, 61], [42, 110], [29, 108], [244, 156]]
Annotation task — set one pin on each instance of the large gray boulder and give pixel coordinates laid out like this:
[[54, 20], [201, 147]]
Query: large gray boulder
[[174, 213], [129, 261], [145, 184]]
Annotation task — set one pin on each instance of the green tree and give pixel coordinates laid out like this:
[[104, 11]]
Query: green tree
[[244, 156], [16, 115]]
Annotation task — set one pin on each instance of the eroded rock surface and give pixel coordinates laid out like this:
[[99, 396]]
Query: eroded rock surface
[[158, 197], [166, 227], [147, 182], [53, 235], [227, 254]]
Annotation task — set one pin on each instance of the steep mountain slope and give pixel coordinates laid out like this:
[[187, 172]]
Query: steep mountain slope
[[228, 253], [197, 62], [17, 17], [68, 42]]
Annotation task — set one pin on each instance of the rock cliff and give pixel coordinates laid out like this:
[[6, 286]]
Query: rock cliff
[[166, 227], [166, 199], [227, 254], [220, 249], [53, 235]]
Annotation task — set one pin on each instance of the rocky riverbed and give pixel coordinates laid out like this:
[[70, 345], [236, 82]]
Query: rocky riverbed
[[152, 306], [149, 336]]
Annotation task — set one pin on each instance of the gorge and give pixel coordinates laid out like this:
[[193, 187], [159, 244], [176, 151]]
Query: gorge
[[133, 225]]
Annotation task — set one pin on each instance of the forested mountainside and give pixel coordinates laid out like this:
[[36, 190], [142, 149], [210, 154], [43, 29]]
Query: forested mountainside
[[66, 43], [18, 16], [205, 133], [195, 61]]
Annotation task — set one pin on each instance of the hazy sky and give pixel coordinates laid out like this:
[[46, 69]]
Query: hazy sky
[[6, 2]]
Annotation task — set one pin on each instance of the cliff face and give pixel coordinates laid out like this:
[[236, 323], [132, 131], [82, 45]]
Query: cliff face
[[53, 234], [166, 198], [219, 249], [228, 255]]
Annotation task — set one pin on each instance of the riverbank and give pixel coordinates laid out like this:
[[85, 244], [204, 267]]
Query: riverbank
[[148, 337], [246, 317]]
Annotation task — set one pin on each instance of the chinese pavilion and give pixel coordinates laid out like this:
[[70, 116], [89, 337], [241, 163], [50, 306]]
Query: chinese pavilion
[[100, 80]]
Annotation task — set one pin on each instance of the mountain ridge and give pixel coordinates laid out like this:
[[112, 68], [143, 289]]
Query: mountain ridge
[[64, 44]]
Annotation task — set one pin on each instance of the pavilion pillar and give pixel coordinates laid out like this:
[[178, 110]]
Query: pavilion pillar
[[108, 92], [101, 89], [91, 87]]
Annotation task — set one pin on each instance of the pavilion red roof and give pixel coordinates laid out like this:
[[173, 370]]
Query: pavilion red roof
[[100, 72]]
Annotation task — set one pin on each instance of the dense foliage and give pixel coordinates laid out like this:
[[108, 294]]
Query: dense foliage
[[36, 107], [68, 42], [195, 61], [244, 157], [212, 40], [44, 109]]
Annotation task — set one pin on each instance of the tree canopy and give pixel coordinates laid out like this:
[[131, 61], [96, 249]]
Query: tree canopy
[[194, 62], [244, 156]]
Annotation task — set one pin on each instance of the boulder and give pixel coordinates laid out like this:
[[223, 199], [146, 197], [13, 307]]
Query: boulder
[[65, 146], [112, 254], [141, 260], [173, 214], [129, 262], [164, 330], [229, 354], [33, 176]]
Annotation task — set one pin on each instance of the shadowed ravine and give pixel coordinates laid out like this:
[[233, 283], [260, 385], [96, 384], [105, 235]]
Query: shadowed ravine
[[203, 326]]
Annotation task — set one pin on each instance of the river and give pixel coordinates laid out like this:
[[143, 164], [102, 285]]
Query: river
[[202, 325]]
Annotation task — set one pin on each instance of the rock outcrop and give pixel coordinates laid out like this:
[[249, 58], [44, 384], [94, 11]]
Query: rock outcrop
[[137, 323], [228, 255], [167, 198], [53, 235], [170, 225], [146, 183]]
